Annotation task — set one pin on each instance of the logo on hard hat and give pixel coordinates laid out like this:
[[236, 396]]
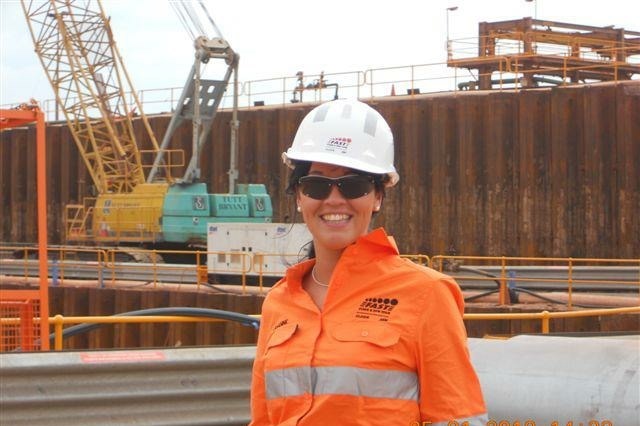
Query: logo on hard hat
[[338, 145]]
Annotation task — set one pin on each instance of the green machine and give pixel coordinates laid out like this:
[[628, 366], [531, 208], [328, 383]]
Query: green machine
[[188, 208]]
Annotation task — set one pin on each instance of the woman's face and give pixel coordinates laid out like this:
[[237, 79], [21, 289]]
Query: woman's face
[[336, 222]]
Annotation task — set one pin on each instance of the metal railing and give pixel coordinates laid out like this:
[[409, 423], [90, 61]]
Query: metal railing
[[504, 267], [505, 274], [545, 317], [379, 82]]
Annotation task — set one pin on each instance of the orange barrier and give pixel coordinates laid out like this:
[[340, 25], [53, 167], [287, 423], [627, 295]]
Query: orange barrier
[[504, 263], [545, 317], [26, 304]]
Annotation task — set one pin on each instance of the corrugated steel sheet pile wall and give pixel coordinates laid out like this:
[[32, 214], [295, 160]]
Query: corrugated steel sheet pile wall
[[545, 172]]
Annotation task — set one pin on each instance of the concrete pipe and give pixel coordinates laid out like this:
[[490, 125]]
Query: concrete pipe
[[552, 381]]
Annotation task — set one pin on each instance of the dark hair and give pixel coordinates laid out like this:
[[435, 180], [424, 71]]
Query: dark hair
[[301, 168]]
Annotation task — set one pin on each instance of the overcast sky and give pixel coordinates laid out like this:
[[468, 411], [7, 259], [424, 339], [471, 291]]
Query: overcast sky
[[279, 38]]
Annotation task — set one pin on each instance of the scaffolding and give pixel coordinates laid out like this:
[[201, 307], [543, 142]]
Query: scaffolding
[[530, 52]]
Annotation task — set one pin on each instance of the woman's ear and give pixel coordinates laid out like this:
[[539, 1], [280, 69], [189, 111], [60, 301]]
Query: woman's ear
[[378, 202]]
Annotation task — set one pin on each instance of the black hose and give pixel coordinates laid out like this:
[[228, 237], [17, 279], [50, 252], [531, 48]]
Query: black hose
[[478, 296], [559, 302], [532, 293], [177, 311]]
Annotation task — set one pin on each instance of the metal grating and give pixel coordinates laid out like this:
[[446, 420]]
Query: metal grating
[[18, 327]]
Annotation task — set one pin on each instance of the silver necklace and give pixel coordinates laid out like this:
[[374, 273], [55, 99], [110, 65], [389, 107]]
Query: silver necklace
[[315, 280]]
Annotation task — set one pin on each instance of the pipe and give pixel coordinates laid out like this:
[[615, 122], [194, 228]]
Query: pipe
[[556, 380]]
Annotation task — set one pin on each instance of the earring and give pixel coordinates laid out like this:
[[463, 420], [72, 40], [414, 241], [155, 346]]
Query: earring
[[299, 209]]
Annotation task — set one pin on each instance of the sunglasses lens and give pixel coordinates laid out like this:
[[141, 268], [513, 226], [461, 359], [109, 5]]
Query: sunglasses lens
[[351, 187], [315, 187], [355, 186]]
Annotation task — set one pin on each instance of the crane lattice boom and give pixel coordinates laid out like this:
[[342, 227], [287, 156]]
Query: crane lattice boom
[[74, 42]]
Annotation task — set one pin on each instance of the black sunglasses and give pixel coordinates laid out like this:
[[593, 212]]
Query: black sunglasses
[[350, 186]]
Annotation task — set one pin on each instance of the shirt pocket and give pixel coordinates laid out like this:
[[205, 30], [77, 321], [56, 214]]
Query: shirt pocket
[[378, 334], [278, 343]]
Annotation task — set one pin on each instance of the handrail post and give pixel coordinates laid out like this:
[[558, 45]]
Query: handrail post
[[155, 269], [198, 270], [412, 81], [261, 257], [101, 263], [570, 282], [57, 330], [545, 322], [503, 299], [113, 267], [62, 265], [518, 85], [244, 274], [371, 84]]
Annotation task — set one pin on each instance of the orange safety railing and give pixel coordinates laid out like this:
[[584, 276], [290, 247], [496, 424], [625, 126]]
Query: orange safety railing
[[109, 264], [152, 260], [508, 43], [27, 304], [516, 56], [76, 219], [23, 334], [454, 263], [58, 322], [279, 263], [173, 160], [420, 259]]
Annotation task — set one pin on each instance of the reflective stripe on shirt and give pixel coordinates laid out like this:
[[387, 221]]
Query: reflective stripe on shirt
[[479, 420], [342, 381]]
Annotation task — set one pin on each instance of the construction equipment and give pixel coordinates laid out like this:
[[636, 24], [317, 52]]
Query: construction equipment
[[530, 52], [75, 44]]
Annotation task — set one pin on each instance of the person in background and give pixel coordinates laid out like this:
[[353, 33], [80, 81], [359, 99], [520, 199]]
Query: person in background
[[356, 335]]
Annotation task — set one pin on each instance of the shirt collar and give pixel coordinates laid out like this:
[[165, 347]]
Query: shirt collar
[[378, 238], [373, 244]]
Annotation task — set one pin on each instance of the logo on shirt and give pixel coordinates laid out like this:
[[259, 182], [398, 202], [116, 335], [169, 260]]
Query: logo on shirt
[[281, 323], [379, 307], [338, 145]]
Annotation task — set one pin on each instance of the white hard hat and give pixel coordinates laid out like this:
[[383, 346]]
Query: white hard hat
[[347, 133]]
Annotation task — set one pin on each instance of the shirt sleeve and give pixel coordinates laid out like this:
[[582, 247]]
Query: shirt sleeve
[[259, 413], [449, 387]]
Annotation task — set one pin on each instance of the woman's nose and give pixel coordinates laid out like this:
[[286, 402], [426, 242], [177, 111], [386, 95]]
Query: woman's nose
[[335, 195]]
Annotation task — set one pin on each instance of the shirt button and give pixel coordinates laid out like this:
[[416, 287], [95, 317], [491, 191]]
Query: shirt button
[[364, 333]]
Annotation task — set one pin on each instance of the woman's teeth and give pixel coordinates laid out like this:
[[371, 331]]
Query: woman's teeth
[[334, 217]]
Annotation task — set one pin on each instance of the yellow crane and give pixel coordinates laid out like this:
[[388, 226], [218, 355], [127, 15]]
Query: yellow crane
[[138, 198]]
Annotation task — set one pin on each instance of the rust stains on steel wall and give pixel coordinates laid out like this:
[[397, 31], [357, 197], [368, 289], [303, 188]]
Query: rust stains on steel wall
[[543, 172]]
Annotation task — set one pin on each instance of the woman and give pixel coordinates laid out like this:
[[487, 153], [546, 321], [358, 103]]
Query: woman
[[357, 335]]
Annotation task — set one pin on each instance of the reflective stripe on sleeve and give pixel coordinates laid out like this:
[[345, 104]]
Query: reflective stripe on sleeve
[[479, 420], [342, 381]]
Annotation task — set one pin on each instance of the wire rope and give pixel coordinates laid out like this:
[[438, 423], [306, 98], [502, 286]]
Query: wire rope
[[183, 19]]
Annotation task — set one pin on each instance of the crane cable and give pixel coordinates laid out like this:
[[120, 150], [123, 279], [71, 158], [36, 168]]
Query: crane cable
[[190, 21], [183, 19], [195, 21], [213, 24]]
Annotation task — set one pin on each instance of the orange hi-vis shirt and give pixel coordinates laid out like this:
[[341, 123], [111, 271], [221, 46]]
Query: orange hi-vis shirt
[[388, 348]]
